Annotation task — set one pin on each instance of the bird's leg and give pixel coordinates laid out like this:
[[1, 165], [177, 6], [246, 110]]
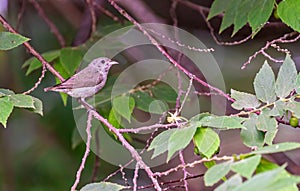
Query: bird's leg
[[82, 100]]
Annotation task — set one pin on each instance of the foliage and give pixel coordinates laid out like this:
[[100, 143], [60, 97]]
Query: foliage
[[256, 13]]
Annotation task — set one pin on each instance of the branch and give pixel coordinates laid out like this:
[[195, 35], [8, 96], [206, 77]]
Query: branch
[[164, 52], [87, 150], [32, 50], [53, 28]]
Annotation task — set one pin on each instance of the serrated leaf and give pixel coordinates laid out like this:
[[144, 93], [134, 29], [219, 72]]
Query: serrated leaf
[[264, 84], [241, 15], [246, 167], [207, 141], [251, 136], [276, 148], [276, 179], [260, 13], [218, 7], [6, 108], [294, 107], [10, 40], [103, 186], [124, 105], [222, 122], [215, 173], [239, 12], [265, 122], [34, 63], [5, 92], [278, 108], [70, 59], [143, 101], [38, 106], [231, 183], [229, 15], [180, 139], [22, 101], [270, 136], [286, 78], [164, 92], [289, 11], [244, 100], [160, 143]]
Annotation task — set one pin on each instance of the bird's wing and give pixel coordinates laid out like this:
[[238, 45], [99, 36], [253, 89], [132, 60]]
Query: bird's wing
[[88, 77]]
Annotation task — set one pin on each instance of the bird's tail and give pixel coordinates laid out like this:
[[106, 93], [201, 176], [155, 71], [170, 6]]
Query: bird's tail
[[49, 89]]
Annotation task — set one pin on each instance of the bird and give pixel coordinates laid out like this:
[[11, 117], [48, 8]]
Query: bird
[[88, 81]]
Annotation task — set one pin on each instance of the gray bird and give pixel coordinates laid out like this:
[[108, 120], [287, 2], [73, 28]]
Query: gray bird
[[86, 82]]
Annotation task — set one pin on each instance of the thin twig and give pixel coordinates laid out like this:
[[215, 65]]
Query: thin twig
[[87, 151], [44, 70], [283, 39], [93, 15], [51, 25], [164, 52], [215, 158]]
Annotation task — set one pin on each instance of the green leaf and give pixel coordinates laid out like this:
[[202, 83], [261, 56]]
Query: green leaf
[[124, 105], [34, 63], [294, 107], [276, 148], [164, 92], [276, 179], [216, 173], [267, 124], [143, 101], [246, 167], [286, 78], [239, 12], [5, 92], [298, 84], [231, 183], [6, 108], [160, 142], [244, 100], [278, 108], [38, 106], [229, 15], [265, 165], [207, 141], [180, 139], [222, 122], [264, 84], [114, 118], [21, 100], [260, 13], [241, 17], [251, 136], [70, 59], [10, 40], [289, 11], [103, 186], [218, 7]]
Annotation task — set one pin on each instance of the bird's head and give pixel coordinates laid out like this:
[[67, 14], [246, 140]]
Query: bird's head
[[103, 64]]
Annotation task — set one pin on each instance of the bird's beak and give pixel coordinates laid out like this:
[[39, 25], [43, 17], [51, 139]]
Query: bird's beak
[[114, 62]]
